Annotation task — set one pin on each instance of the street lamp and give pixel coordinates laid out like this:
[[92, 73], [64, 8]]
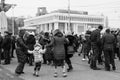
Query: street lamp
[[13, 6]]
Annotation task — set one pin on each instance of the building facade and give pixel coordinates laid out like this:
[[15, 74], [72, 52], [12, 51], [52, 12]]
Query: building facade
[[74, 22]]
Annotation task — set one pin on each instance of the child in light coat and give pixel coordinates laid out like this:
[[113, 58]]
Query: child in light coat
[[38, 57]]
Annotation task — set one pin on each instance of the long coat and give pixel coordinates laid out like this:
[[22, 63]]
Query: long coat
[[30, 42], [58, 47], [21, 50]]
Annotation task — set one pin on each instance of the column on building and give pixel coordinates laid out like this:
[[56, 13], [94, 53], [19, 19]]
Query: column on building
[[85, 27], [75, 28], [45, 27], [66, 26], [50, 27], [56, 26]]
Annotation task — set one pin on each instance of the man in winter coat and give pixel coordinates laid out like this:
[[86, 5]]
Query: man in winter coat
[[118, 44], [95, 42], [108, 42], [6, 47]]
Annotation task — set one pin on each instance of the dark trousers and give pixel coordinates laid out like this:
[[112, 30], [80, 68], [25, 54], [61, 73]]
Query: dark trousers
[[119, 53], [109, 58], [12, 53], [7, 56], [44, 59], [94, 57], [37, 66], [100, 56], [0, 54], [68, 61], [20, 67], [30, 59]]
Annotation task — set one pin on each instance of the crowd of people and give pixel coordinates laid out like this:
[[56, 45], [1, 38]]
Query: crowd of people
[[57, 48]]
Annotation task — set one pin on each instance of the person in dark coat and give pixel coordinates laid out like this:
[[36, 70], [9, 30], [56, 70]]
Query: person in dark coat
[[58, 43], [95, 42], [43, 41], [87, 45], [6, 47], [1, 40], [108, 41], [30, 42], [21, 52], [48, 54], [118, 44], [13, 46], [71, 40]]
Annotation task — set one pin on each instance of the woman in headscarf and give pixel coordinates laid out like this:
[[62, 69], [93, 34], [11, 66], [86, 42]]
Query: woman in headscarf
[[58, 41]]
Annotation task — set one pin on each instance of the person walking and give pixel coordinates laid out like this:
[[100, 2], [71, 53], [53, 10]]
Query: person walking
[[108, 41], [95, 42]]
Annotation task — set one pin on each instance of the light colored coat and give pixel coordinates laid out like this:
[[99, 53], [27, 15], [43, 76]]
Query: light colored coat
[[38, 53]]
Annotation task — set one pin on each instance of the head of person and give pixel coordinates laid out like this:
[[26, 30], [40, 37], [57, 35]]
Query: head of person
[[21, 33], [46, 34], [107, 31], [100, 27], [58, 33], [6, 33]]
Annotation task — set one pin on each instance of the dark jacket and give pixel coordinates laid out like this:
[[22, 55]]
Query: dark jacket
[[1, 40], [95, 37], [30, 42], [21, 50], [58, 42], [72, 40], [7, 43], [108, 41]]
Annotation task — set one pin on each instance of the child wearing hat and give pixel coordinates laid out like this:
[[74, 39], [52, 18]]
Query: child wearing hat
[[38, 57]]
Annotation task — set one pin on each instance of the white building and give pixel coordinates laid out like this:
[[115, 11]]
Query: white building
[[60, 19]]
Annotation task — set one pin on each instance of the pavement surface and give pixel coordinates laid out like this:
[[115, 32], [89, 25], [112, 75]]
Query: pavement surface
[[81, 72]]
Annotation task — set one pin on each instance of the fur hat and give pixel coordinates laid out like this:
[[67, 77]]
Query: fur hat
[[56, 31]]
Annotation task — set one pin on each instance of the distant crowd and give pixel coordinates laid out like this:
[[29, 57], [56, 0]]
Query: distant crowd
[[57, 48]]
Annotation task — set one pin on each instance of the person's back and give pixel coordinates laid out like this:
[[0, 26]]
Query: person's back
[[95, 35], [7, 43], [108, 41], [59, 42]]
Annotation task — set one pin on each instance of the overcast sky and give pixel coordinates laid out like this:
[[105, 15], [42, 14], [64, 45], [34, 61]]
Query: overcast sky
[[110, 8]]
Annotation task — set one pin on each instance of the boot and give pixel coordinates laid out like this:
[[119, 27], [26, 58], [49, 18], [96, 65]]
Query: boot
[[70, 68], [64, 72], [34, 73], [37, 73], [55, 74]]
